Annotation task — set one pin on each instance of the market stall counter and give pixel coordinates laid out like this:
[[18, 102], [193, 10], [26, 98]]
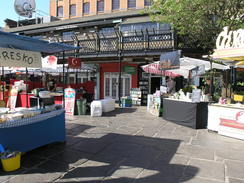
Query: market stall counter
[[25, 134], [192, 114], [227, 119]]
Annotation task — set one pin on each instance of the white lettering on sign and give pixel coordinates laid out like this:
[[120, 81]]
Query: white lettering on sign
[[19, 58], [230, 39], [66, 27]]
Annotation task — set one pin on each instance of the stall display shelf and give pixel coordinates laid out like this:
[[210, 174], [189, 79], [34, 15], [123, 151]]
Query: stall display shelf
[[144, 86], [135, 94]]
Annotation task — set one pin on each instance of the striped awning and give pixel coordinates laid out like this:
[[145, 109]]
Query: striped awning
[[154, 68]]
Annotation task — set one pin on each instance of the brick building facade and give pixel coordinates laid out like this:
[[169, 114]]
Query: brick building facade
[[66, 9]]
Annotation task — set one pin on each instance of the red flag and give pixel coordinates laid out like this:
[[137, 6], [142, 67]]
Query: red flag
[[74, 63]]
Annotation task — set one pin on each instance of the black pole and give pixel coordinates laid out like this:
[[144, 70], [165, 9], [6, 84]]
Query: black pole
[[119, 78], [211, 80], [26, 80], [3, 81], [63, 79]]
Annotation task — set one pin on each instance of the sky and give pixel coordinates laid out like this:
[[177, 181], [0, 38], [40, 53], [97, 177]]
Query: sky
[[7, 9]]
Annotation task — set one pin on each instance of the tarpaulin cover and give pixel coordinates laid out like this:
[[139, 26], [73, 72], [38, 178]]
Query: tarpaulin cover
[[170, 60], [10, 40]]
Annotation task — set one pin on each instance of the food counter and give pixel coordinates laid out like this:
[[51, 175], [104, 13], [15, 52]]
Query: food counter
[[227, 119], [25, 134], [186, 113]]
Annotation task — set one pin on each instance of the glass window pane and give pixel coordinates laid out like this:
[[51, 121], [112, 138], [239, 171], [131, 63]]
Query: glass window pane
[[60, 11], [107, 87], [67, 36], [85, 80], [131, 3], [86, 8], [115, 4], [72, 10], [100, 6], [147, 3], [127, 86], [114, 87], [71, 80], [121, 87]]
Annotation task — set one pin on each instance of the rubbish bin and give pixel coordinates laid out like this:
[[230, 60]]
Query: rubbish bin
[[81, 106], [11, 163]]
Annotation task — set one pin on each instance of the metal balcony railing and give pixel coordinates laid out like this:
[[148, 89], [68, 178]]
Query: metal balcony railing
[[95, 44]]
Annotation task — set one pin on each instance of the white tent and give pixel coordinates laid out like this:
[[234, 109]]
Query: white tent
[[186, 64], [187, 61]]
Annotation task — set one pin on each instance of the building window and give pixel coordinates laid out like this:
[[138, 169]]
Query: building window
[[60, 11], [115, 4], [131, 3], [86, 8], [100, 6], [72, 10], [67, 36], [147, 3]]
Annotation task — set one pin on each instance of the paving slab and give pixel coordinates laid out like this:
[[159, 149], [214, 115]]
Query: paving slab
[[132, 146], [235, 169], [206, 169]]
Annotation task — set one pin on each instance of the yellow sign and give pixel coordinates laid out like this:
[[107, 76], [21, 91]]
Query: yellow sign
[[238, 98]]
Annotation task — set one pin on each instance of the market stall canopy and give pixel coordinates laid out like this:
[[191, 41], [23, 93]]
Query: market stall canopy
[[10, 40], [39, 71], [186, 64], [187, 61], [154, 68]]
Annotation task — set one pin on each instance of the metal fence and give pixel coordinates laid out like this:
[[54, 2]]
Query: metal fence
[[125, 42]]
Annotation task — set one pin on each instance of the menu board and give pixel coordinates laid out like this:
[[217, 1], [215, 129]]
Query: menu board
[[69, 98]]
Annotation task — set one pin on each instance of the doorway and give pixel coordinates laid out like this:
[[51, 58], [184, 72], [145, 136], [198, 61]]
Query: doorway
[[155, 84], [111, 85]]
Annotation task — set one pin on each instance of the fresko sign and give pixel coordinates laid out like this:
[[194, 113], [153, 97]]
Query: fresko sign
[[19, 58], [230, 39]]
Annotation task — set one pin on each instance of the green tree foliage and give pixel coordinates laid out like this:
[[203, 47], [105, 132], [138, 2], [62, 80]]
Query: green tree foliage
[[199, 21]]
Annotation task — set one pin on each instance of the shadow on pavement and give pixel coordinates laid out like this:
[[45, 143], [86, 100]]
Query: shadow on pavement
[[118, 111], [113, 158]]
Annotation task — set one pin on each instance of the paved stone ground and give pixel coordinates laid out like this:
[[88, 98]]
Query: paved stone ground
[[131, 146]]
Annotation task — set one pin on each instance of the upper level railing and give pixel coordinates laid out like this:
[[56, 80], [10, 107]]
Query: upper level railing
[[126, 43]]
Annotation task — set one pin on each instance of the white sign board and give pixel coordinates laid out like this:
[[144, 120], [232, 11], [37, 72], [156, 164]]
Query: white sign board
[[19, 58], [50, 62], [196, 95], [230, 39]]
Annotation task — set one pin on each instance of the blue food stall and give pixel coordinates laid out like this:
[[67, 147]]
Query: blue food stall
[[27, 129]]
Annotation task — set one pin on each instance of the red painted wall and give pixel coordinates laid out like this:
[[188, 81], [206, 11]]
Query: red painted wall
[[114, 67]]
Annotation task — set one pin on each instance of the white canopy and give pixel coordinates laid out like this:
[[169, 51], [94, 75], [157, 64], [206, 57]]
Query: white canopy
[[186, 64], [187, 61]]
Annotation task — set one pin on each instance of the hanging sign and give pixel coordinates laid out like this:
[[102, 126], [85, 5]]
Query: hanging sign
[[170, 60], [50, 62], [69, 98], [12, 98], [74, 63], [19, 58], [129, 69]]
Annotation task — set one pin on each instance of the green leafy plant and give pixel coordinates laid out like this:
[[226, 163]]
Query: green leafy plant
[[188, 88], [198, 22]]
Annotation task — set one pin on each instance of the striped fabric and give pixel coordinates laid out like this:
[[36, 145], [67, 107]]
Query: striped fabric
[[154, 68]]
